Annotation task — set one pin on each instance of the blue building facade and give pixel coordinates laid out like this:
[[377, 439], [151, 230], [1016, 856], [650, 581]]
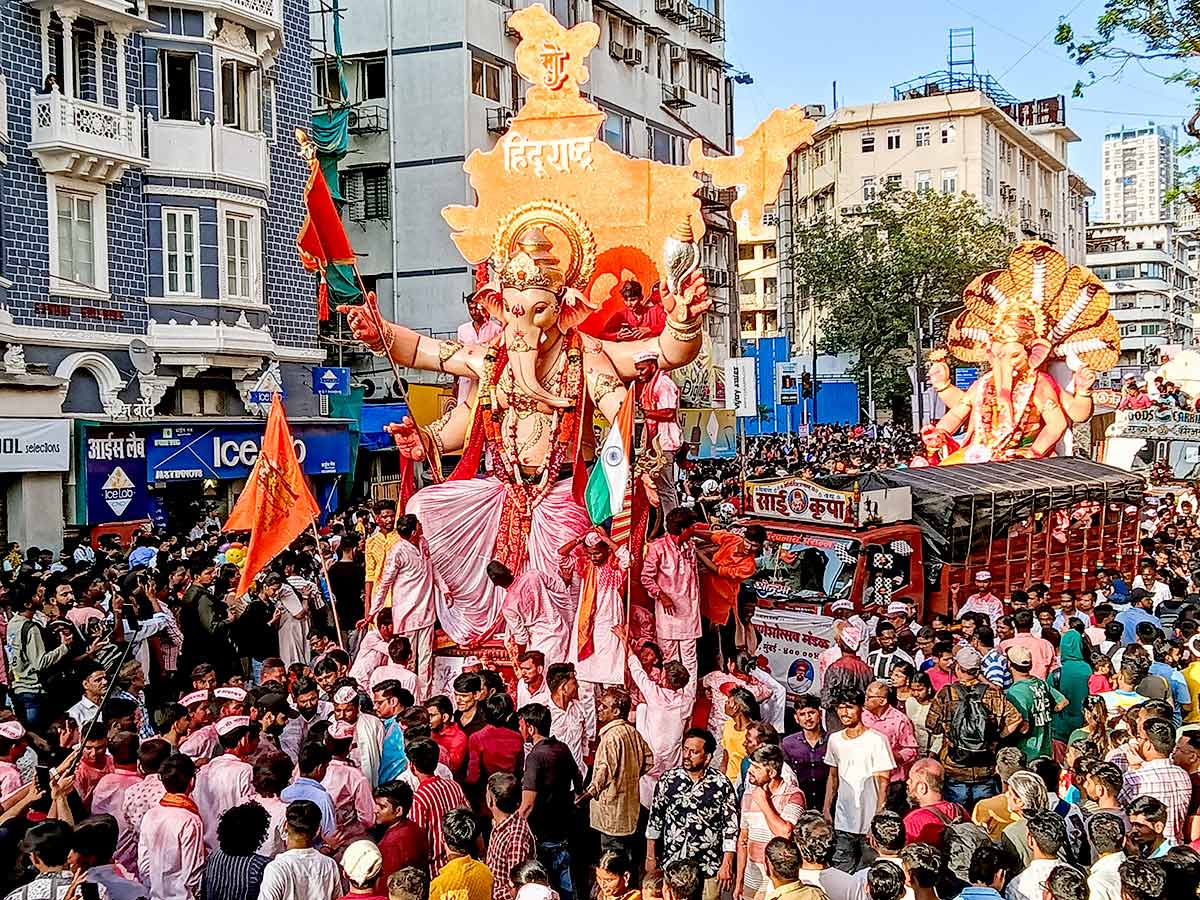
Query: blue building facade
[[150, 194]]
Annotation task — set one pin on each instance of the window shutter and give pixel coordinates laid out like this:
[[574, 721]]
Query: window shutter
[[352, 190]]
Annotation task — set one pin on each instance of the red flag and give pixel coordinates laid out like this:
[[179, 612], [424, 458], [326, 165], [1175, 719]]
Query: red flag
[[322, 239], [276, 504]]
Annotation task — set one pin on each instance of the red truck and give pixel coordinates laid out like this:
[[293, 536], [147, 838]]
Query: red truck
[[921, 534]]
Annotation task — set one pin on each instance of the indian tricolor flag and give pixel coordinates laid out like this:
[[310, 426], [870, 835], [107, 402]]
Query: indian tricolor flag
[[610, 475]]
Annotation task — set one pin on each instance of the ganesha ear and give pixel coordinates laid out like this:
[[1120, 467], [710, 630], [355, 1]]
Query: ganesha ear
[[1039, 352], [491, 298], [575, 308]]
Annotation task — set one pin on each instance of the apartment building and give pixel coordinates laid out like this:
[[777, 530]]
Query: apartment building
[[1139, 169], [151, 299], [658, 72], [1147, 270], [1012, 157], [758, 279]]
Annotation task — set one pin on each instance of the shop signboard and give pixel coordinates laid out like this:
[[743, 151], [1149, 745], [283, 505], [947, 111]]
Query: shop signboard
[[115, 461], [221, 453], [35, 445], [1160, 424], [799, 500]]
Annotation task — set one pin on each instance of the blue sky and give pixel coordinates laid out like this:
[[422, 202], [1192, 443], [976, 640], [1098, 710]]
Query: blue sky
[[796, 49]]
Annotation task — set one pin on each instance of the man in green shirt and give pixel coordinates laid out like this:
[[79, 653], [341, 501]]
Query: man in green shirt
[[1035, 700]]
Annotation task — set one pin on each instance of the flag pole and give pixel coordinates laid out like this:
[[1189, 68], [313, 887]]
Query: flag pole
[[337, 626]]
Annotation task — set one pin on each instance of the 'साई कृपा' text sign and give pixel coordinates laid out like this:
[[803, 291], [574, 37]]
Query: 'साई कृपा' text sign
[[799, 500]]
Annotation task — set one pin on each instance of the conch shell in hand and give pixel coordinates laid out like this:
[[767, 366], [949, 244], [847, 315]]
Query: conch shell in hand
[[681, 255]]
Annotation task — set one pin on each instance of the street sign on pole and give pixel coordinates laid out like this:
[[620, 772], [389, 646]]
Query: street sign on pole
[[741, 389], [964, 376], [787, 383], [331, 380]]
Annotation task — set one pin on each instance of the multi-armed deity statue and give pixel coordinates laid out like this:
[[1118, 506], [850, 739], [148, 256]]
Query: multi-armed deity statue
[[1020, 321], [554, 204]]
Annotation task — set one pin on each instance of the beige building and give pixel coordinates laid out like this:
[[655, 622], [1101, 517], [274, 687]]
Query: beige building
[[954, 142], [758, 279]]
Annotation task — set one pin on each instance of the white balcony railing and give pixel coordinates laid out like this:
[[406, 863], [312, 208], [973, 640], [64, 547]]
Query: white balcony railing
[[202, 149], [83, 139], [252, 12]]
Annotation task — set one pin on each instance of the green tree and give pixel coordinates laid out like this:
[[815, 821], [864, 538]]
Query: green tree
[[909, 255], [1157, 36]]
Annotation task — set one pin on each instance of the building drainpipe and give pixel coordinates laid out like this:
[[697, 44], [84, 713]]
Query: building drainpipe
[[391, 99]]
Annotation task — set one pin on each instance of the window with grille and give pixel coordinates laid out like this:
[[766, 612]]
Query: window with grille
[[375, 193]]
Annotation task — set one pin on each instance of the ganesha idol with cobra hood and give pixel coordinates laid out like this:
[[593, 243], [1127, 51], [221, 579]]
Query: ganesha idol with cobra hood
[[553, 203], [1044, 330]]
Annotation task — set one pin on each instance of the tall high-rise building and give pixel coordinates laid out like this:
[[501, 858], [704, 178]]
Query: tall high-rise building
[[1139, 170]]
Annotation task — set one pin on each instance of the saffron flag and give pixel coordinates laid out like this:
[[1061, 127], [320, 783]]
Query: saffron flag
[[322, 240], [276, 505], [605, 494]]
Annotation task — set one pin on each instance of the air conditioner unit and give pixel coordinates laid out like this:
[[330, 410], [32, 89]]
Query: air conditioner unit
[[677, 91], [615, 50], [678, 54], [633, 56]]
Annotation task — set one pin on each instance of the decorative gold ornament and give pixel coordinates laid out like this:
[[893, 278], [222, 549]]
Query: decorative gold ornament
[[523, 251]]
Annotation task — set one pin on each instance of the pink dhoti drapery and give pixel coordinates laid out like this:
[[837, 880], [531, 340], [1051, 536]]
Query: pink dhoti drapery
[[461, 523]]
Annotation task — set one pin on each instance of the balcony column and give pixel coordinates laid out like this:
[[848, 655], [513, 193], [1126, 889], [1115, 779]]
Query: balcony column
[[121, 35], [68, 53], [98, 63], [44, 16]]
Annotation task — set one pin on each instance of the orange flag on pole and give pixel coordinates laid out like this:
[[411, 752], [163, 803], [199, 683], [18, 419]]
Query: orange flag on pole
[[276, 505], [322, 240]]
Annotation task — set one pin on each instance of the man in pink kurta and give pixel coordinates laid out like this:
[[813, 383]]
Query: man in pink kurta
[[408, 584], [353, 803], [670, 578], [373, 649], [480, 330], [538, 611], [109, 796], [600, 570], [667, 714], [171, 848], [658, 400], [895, 726], [227, 780], [13, 744], [139, 799]]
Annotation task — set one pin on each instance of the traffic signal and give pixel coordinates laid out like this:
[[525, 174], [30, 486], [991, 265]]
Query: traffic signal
[[806, 385]]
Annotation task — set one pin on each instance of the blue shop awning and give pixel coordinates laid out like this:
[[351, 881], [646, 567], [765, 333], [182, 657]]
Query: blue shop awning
[[376, 416]]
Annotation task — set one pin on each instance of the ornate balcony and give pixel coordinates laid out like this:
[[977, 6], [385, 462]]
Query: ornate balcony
[[84, 140]]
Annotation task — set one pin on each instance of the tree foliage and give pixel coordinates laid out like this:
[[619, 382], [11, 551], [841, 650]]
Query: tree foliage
[[1158, 36], [869, 276]]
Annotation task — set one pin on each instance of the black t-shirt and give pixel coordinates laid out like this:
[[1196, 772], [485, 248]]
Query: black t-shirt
[[551, 773], [346, 580]]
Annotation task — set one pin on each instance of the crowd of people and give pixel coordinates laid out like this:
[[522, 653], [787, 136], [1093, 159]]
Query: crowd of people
[[1156, 393], [164, 738]]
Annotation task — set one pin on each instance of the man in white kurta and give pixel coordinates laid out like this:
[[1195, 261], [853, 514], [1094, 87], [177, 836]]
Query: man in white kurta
[[367, 746], [227, 780], [171, 848], [373, 649], [599, 574], [670, 578], [668, 711], [539, 610], [408, 584]]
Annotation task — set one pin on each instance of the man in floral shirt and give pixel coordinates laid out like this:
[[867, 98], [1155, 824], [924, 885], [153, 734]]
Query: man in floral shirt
[[694, 815]]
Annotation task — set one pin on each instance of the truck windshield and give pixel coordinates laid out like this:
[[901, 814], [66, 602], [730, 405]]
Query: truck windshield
[[806, 567]]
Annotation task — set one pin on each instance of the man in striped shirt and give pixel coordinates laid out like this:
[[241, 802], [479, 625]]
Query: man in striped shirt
[[234, 869], [770, 809], [433, 798]]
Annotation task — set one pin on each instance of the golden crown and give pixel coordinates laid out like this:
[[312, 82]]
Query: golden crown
[[534, 265]]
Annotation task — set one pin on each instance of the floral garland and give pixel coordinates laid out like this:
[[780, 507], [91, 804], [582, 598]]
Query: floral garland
[[516, 517], [1021, 420]]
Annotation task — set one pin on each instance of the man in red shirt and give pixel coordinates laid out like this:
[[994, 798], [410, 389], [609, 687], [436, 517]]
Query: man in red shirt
[[433, 798], [931, 814], [404, 842], [494, 748], [643, 316], [446, 733]]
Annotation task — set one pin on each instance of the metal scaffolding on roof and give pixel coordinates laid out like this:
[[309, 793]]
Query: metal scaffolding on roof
[[959, 75]]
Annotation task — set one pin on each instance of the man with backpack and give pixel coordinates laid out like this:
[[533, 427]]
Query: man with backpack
[[30, 662], [973, 716]]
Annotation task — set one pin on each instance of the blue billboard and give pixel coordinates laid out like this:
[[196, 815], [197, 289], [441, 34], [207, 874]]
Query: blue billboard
[[224, 452]]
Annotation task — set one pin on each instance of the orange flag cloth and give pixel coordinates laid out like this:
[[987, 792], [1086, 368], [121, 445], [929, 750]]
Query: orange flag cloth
[[276, 505]]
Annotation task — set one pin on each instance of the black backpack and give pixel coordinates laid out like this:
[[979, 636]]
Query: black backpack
[[971, 737]]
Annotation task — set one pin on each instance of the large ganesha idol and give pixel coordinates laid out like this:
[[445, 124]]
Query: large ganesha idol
[[1030, 322], [552, 204]]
